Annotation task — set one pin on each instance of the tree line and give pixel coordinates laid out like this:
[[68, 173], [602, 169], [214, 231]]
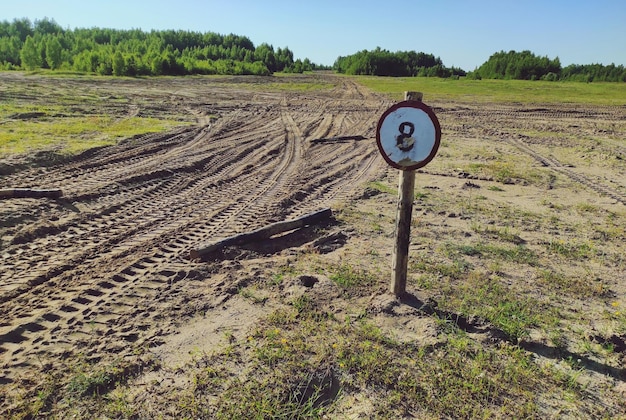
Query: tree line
[[522, 65], [45, 44], [525, 65], [380, 62]]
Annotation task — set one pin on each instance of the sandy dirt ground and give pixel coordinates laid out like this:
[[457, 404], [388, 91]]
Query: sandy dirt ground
[[105, 270]]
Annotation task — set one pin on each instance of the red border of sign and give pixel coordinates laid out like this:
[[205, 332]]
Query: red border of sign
[[433, 118]]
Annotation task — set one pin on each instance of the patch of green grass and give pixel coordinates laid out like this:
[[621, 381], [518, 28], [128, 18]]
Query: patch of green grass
[[302, 303], [313, 367], [550, 204], [506, 172], [277, 279], [382, 187], [47, 395], [570, 250], [609, 233], [486, 297], [284, 82], [426, 281], [504, 234], [48, 113], [73, 134], [516, 254], [91, 381], [289, 374], [516, 217], [377, 227], [571, 285], [283, 271], [282, 317], [481, 91], [83, 387], [348, 277], [252, 294], [455, 269], [11, 111], [118, 403], [260, 399], [303, 87], [617, 314], [421, 195], [583, 208]]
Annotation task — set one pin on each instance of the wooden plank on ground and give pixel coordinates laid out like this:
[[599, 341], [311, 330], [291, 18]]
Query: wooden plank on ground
[[30, 193], [262, 233]]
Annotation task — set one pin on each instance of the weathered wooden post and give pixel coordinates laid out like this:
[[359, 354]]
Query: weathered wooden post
[[400, 256], [408, 136]]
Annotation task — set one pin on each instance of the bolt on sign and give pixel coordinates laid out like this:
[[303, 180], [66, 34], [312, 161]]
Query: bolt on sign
[[408, 135]]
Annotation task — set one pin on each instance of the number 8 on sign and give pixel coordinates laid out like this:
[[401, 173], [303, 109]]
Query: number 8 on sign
[[404, 141], [408, 135]]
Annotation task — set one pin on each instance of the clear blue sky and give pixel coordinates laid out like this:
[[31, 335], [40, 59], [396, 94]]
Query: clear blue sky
[[463, 33]]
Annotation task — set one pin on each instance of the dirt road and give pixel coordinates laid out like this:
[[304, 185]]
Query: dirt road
[[102, 271], [102, 258]]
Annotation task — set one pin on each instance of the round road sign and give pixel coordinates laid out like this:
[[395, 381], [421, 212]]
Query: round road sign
[[408, 135]]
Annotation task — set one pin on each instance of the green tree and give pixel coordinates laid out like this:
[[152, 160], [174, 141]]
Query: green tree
[[22, 28], [47, 26], [284, 58], [10, 47], [54, 53], [265, 54], [522, 65], [118, 64], [30, 55], [380, 62], [132, 65], [105, 69]]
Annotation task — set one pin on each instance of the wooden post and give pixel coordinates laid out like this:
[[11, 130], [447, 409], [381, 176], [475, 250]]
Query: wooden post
[[406, 193]]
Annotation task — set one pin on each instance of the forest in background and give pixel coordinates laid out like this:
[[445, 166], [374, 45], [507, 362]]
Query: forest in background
[[381, 62], [527, 66], [44, 44], [510, 65]]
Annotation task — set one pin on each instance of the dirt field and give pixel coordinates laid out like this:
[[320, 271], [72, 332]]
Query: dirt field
[[102, 276]]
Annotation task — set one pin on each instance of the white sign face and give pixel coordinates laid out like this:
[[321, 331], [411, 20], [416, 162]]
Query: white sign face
[[408, 135]]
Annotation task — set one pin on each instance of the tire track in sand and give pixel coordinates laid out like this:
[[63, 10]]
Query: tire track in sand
[[98, 299]]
